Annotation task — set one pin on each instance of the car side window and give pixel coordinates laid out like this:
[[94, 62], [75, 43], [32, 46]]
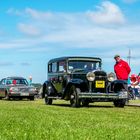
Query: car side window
[[3, 81], [50, 68], [54, 67], [62, 66], [8, 82]]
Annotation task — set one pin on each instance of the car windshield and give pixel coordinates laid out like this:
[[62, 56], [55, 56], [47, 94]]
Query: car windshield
[[17, 82], [83, 65]]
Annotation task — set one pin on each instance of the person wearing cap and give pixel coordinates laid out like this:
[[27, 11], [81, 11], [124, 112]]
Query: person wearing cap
[[121, 68]]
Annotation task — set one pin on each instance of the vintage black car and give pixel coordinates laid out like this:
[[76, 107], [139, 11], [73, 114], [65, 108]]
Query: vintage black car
[[82, 81], [16, 87]]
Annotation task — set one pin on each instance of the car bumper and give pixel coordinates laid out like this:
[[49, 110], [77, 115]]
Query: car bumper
[[21, 94], [113, 96]]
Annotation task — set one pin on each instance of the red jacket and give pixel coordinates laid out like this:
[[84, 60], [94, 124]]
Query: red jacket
[[122, 70]]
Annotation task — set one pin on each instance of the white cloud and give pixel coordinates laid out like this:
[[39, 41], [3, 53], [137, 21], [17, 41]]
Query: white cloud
[[107, 13], [92, 37], [3, 64], [16, 12], [81, 37], [28, 29], [38, 15], [16, 44], [76, 29], [51, 22]]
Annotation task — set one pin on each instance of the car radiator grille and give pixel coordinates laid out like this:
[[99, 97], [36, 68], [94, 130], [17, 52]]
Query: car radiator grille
[[98, 89], [24, 90]]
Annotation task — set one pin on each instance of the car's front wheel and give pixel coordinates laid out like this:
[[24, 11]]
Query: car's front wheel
[[7, 96], [32, 98], [119, 103], [74, 97]]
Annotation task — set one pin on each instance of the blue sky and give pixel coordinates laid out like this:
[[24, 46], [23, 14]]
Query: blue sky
[[34, 31]]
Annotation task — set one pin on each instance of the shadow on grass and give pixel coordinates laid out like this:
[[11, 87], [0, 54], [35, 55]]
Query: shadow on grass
[[17, 99], [133, 105], [89, 106]]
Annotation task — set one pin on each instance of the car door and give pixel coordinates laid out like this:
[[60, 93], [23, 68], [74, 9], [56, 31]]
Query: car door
[[2, 87], [62, 72], [56, 75], [53, 76]]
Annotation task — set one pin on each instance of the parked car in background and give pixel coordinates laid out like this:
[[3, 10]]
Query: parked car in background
[[134, 87], [16, 87], [81, 80]]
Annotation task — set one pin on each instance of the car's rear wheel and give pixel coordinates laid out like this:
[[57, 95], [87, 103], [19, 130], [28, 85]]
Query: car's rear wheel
[[48, 101], [85, 102], [74, 97]]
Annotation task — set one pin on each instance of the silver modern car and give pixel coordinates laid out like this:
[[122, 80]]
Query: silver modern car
[[16, 87]]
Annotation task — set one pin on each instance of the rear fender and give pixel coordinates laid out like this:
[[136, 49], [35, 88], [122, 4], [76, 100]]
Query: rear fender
[[48, 89]]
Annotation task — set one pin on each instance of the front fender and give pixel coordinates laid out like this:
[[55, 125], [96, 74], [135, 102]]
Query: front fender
[[48, 89], [118, 85]]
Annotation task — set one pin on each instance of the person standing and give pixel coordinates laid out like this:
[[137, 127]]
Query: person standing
[[30, 80], [121, 68]]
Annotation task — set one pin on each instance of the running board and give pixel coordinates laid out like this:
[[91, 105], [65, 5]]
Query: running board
[[51, 97]]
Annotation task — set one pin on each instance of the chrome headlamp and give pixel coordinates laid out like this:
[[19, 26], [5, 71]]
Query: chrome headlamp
[[90, 76], [111, 77], [32, 89]]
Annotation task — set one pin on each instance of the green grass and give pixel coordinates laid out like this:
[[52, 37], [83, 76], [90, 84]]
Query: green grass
[[33, 120]]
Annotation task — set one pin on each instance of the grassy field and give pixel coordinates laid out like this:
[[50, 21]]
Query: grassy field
[[33, 120]]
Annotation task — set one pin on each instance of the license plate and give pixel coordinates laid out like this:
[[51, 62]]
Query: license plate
[[100, 84], [24, 94]]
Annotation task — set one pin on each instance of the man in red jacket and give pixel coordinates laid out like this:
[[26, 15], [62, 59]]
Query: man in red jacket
[[121, 68]]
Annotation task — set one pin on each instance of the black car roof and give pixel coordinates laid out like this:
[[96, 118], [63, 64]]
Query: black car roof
[[74, 57]]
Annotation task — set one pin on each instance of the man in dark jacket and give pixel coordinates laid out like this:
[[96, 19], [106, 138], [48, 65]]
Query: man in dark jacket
[[121, 68]]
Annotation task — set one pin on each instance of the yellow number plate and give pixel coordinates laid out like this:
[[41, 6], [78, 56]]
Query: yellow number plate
[[100, 84]]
